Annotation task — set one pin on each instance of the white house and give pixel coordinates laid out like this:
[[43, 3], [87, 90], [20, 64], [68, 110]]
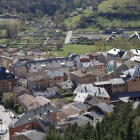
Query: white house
[[48, 92]]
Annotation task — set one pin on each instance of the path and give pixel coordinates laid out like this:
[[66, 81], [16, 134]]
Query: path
[[67, 40]]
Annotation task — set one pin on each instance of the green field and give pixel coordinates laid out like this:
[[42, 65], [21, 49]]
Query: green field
[[70, 21], [106, 4], [7, 19], [79, 49]]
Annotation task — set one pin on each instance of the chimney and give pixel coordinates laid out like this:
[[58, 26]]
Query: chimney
[[114, 49], [115, 68], [85, 89]]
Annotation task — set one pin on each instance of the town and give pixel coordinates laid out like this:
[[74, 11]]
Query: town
[[69, 70], [62, 90]]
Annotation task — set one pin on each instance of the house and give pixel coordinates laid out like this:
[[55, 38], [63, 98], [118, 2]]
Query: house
[[84, 77], [45, 92], [132, 79], [93, 91], [57, 76], [111, 37], [114, 53], [38, 80], [99, 66], [12, 50], [7, 80], [31, 103], [19, 68], [18, 91], [104, 108], [35, 134], [135, 52], [102, 57], [39, 118], [66, 85], [118, 85], [105, 84], [81, 97]]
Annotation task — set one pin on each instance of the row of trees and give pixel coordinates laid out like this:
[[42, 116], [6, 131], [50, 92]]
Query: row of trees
[[122, 124]]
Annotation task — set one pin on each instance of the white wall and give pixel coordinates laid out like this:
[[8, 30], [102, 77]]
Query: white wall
[[39, 93]]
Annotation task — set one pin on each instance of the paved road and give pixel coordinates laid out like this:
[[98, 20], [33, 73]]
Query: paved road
[[67, 40], [6, 121]]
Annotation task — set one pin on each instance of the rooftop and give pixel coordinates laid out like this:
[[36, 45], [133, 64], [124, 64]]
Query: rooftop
[[55, 73], [117, 81], [105, 107], [29, 116], [90, 89]]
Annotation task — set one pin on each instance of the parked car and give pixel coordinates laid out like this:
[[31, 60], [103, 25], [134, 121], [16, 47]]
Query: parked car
[[0, 121], [2, 132]]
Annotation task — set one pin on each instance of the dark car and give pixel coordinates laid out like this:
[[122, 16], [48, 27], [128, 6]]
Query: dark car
[[0, 121]]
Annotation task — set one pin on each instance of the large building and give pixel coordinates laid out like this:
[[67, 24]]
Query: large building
[[19, 68], [7, 80], [84, 77], [39, 118], [115, 68]]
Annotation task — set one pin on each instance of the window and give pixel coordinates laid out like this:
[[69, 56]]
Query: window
[[113, 86], [119, 85], [123, 85]]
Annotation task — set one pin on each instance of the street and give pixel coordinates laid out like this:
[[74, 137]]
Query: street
[[5, 116], [67, 40]]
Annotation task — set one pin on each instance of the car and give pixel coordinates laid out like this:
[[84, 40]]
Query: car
[[0, 121], [2, 132]]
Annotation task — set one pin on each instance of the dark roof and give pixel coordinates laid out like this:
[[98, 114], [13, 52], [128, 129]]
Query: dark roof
[[29, 116], [31, 134], [113, 98], [121, 53], [94, 114], [45, 123], [105, 107], [82, 106], [4, 75], [93, 100]]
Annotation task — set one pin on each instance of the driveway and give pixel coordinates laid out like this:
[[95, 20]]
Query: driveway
[[5, 116], [67, 40]]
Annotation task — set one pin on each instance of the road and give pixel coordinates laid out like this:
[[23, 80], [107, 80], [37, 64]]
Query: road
[[67, 40], [5, 116]]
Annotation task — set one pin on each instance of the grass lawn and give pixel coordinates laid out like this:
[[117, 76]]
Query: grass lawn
[[70, 97], [106, 4], [79, 49], [75, 18]]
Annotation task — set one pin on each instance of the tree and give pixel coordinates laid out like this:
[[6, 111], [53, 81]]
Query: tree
[[52, 134], [63, 26], [60, 91], [5, 99], [7, 42], [14, 11], [59, 45]]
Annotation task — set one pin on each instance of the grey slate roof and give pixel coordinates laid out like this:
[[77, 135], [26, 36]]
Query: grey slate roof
[[93, 100], [105, 107], [29, 116], [94, 114], [55, 73], [82, 106], [32, 134]]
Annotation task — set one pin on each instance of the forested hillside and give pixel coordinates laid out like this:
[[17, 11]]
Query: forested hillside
[[45, 6]]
